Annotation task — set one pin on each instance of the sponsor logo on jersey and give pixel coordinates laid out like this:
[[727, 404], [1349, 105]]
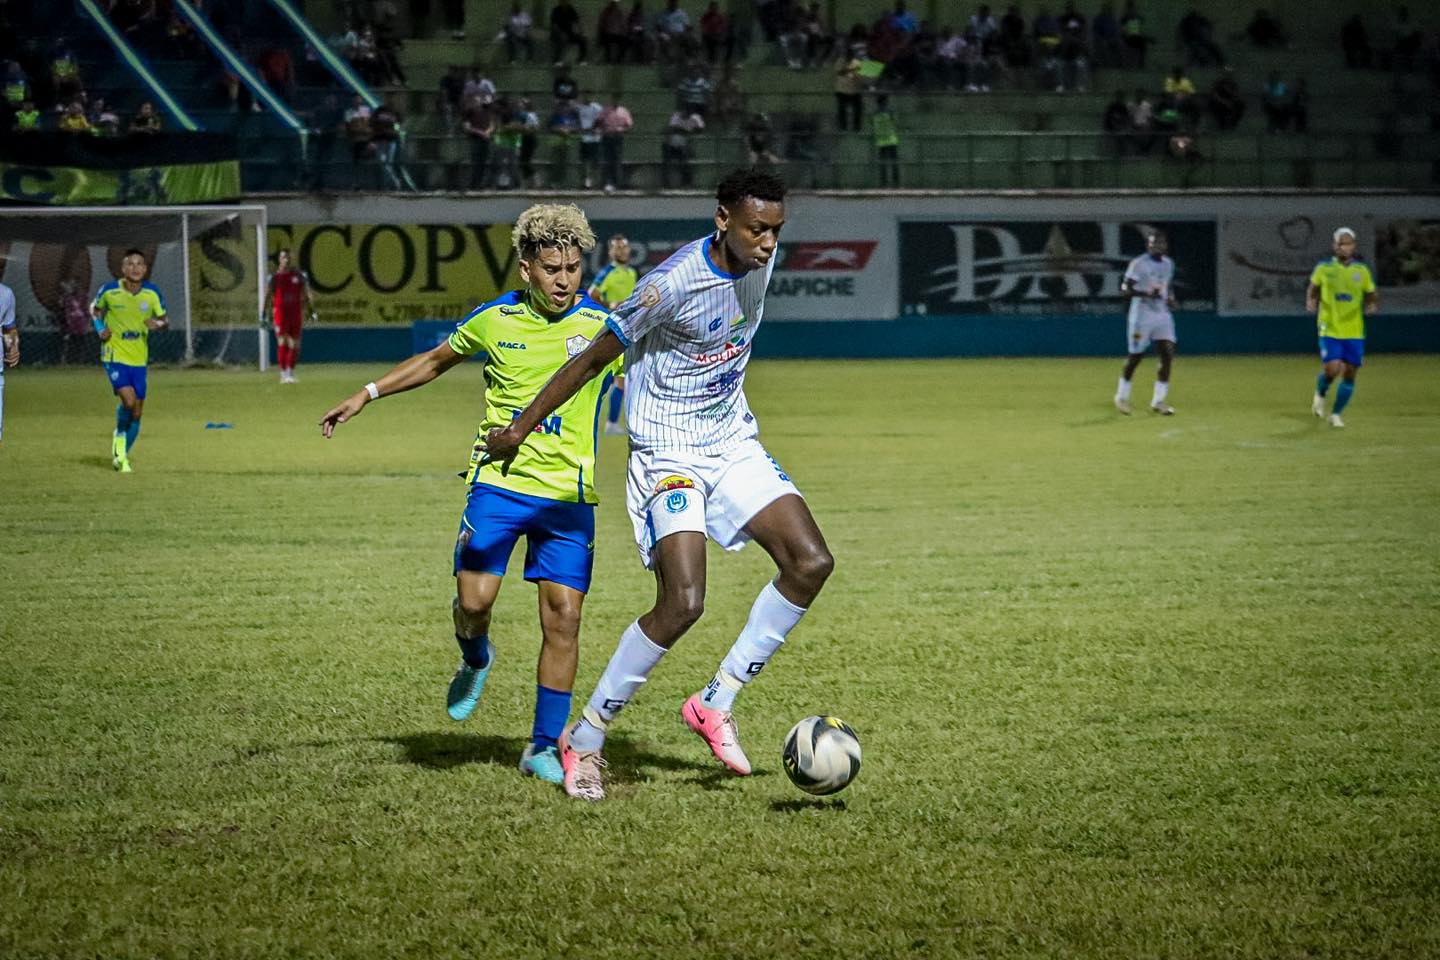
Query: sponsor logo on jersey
[[550, 424], [575, 345], [674, 482], [732, 349], [510, 345], [725, 384], [511, 311]]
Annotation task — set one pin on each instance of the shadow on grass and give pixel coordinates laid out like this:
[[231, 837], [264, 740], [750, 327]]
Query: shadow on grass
[[801, 806], [445, 751], [96, 462]]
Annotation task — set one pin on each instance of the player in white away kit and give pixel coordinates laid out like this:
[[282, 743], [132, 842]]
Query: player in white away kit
[[696, 468], [1148, 282]]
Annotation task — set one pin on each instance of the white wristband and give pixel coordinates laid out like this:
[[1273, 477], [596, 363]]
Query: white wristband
[[373, 390]]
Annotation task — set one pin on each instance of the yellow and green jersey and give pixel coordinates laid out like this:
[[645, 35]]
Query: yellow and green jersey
[[1343, 287], [125, 314], [522, 349], [613, 284]]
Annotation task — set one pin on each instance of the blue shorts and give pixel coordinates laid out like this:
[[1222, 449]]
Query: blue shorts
[[1348, 351], [124, 375], [559, 536]]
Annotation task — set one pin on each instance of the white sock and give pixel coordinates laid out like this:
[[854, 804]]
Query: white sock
[[628, 669], [1122, 389], [1161, 391], [772, 617]]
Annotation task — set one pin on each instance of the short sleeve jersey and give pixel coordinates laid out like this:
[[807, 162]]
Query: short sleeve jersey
[[688, 330], [7, 307], [1151, 276], [522, 349], [1342, 297], [125, 314], [288, 288], [614, 283]]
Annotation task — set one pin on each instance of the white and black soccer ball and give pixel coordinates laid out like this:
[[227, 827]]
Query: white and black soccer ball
[[821, 755]]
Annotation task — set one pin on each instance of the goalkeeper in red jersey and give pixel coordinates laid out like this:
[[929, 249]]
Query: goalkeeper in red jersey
[[287, 297]]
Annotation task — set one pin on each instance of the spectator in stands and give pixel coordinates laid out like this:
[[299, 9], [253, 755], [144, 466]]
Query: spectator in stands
[[1074, 54], [277, 70], [819, 39], [364, 56], [976, 65], [73, 120], [612, 33], [517, 33], [478, 124], [759, 134], [1300, 106], [1107, 49], [529, 140], [1355, 41], [451, 95], [1276, 101], [615, 123], [1227, 104], [902, 19], [1197, 36], [479, 87], [357, 131], [639, 33], [386, 133], [564, 86], [1265, 31], [947, 59], [65, 75], [715, 34], [1142, 122], [1116, 122], [848, 87], [728, 100], [588, 111], [505, 154], [693, 91], [887, 142], [984, 25], [104, 121], [455, 18], [671, 25], [564, 127], [146, 121], [1132, 31], [27, 118], [17, 86], [1013, 44], [675, 149], [1045, 32], [565, 33]]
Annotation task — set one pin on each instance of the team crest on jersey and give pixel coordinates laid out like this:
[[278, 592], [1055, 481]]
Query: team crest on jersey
[[511, 311], [674, 482], [575, 345], [144, 306], [650, 296], [677, 502]]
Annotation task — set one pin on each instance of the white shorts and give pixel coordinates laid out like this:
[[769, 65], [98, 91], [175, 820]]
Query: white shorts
[[672, 491], [1142, 331]]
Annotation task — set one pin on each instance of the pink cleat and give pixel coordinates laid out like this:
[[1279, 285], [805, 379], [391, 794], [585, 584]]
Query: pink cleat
[[717, 728], [582, 771]]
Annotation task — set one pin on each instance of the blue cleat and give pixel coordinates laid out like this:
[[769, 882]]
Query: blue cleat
[[543, 763], [466, 687]]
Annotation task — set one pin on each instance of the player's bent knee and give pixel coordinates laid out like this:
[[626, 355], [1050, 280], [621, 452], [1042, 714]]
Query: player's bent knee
[[680, 608], [814, 567]]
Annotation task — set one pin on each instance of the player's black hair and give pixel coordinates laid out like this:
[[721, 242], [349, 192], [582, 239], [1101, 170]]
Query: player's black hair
[[742, 183], [136, 252]]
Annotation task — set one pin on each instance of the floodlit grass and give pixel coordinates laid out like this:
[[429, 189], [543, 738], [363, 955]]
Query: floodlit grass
[[1126, 687]]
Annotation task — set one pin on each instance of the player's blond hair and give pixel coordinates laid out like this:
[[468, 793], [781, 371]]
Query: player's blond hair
[[552, 225]]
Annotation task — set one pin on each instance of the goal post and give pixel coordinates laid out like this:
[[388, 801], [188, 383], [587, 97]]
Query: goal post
[[209, 263]]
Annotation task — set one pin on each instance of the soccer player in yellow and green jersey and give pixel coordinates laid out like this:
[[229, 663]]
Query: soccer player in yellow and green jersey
[[547, 495], [612, 286], [1341, 292], [124, 312]]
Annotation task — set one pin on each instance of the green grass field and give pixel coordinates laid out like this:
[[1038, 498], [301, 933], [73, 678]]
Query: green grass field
[[1126, 687]]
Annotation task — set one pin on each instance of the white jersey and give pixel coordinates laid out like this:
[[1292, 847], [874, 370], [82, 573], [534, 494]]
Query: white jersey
[[687, 330], [7, 310], [1150, 276]]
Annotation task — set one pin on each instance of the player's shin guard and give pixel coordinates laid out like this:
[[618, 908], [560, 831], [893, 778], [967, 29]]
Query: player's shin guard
[[629, 667], [1322, 384], [772, 617], [131, 432], [1343, 393], [122, 419], [552, 709]]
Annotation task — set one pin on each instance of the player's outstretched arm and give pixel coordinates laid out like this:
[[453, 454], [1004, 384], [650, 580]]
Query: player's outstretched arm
[[501, 444], [406, 375], [11, 337]]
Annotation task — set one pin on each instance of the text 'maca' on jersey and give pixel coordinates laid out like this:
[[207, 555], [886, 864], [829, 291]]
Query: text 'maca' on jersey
[[1150, 276], [522, 350], [1342, 297], [125, 314], [687, 333], [289, 294], [613, 283]]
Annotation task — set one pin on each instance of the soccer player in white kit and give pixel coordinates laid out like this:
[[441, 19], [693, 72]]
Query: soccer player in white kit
[[697, 469], [1148, 284]]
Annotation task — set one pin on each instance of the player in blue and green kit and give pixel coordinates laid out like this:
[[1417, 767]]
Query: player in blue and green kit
[[1341, 292], [125, 311], [546, 496], [612, 286]]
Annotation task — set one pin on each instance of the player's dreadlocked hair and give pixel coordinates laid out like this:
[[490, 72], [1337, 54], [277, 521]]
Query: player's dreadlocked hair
[[742, 183], [552, 225]]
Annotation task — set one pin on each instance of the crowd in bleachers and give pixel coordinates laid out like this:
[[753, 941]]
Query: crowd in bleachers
[[55, 98]]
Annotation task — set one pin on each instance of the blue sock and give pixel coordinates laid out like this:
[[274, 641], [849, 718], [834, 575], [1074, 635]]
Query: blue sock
[[122, 418], [616, 398], [131, 432], [473, 650], [1322, 385], [552, 709], [1342, 394]]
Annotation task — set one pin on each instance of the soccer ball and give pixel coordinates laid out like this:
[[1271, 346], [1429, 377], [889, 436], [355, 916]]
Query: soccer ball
[[821, 755]]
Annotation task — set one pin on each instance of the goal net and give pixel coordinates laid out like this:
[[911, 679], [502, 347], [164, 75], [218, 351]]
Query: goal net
[[208, 263]]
